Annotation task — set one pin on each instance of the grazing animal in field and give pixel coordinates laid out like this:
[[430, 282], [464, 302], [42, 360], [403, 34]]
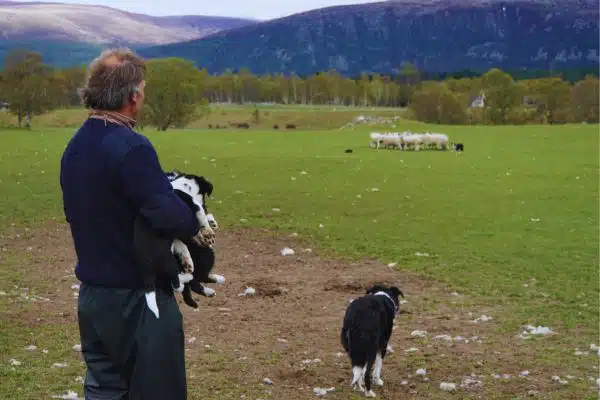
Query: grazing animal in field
[[366, 331], [348, 151], [178, 260]]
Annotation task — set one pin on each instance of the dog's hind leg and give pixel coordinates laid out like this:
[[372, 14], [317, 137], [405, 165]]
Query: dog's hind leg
[[378, 366], [187, 297], [214, 278], [358, 377], [368, 379], [201, 289]]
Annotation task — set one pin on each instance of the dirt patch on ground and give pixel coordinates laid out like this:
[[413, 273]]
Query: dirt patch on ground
[[289, 331]]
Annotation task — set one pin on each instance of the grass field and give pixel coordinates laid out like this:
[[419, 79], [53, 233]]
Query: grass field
[[305, 117], [511, 225]]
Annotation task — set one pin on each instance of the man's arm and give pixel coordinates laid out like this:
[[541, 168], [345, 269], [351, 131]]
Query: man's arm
[[145, 184]]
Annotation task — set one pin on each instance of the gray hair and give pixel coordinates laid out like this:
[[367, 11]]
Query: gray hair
[[112, 78]]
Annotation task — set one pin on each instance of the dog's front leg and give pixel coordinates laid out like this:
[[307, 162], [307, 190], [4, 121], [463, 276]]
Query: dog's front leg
[[206, 235]]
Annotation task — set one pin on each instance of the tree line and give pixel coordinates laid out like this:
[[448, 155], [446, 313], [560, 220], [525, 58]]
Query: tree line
[[179, 93]]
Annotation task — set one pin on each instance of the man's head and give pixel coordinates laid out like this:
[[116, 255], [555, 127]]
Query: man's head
[[115, 82]]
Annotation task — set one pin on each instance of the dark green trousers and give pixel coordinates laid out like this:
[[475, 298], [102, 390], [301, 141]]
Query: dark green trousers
[[129, 354]]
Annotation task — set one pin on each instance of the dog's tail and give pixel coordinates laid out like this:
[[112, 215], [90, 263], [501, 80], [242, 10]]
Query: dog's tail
[[345, 339], [151, 302]]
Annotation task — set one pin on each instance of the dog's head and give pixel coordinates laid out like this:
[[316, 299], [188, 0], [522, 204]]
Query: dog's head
[[392, 291], [197, 187]]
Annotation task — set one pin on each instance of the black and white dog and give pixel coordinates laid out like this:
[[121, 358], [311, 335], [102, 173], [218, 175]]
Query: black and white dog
[[366, 331], [174, 258]]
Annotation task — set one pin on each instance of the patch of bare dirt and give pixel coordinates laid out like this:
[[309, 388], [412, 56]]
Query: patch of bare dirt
[[289, 331]]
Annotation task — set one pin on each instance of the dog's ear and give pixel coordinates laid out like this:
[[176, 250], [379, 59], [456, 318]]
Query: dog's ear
[[205, 186], [374, 289], [396, 292]]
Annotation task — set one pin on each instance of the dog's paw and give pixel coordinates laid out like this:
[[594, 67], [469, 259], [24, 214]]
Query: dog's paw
[[208, 292], [370, 393], [212, 222], [183, 253], [379, 382], [185, 278], [179, 289], [220, 279]]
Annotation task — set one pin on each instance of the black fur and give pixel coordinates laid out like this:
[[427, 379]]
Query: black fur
[[153, 251], [367, 327], [459, 147]]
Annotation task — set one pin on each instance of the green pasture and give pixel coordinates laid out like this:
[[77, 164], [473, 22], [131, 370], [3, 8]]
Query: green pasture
[[520, 203], [512, 221]]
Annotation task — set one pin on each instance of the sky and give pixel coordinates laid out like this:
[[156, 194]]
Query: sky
[[258, 9]]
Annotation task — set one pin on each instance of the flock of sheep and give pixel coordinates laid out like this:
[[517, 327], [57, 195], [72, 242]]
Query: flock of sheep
[[410, 141]]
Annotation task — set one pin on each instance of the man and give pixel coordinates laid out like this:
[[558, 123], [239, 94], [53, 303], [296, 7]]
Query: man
[[110, 175]]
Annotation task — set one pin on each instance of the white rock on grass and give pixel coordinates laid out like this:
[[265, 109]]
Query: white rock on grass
[[249, 291], [310, 362], [286, 251], [267, 381], [31, 347], [558, 379], [59, 365], [448, 386], [411, 350], [483, 318], [418, 333], [524, 373], [70, 395], [421, 371], [14, 362], [320, 392], [77, 347], [535, 330]]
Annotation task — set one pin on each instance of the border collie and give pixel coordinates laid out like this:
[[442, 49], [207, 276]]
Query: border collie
[[365, 334], [174, 258]]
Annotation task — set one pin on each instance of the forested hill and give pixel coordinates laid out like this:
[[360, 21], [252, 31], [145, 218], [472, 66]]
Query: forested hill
[[435, 35]]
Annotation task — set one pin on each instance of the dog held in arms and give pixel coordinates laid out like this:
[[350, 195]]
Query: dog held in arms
[[184, 262], [365, 334]]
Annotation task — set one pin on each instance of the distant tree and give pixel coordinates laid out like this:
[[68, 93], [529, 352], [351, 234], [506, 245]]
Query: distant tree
[[408, 74], [551, 97], [433, 102], [585, 97], [174, 93], [27, 85], [502, 94]]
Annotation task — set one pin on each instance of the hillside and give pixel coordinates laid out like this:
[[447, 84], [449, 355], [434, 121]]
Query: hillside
[[437, 35], [50, 27]]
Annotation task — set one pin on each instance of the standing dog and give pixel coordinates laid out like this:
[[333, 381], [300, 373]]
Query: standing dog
[[171, 258], [366, 331]]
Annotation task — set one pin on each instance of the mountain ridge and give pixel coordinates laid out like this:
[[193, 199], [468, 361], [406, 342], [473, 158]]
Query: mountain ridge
[[377, 37], [100, 24]]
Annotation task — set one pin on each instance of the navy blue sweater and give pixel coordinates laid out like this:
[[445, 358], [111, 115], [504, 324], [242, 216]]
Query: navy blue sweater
[[109, 175]]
